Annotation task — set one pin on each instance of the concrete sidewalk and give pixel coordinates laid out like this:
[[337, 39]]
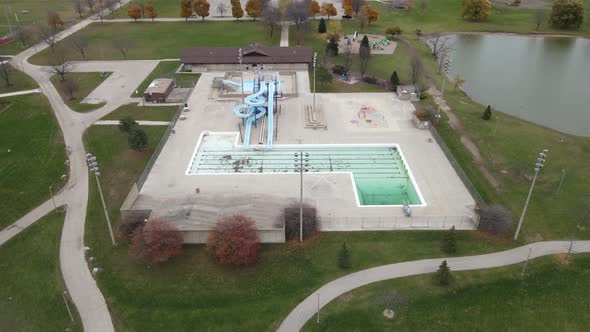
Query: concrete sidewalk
[[19, 93], [308, 308], [140, 122]]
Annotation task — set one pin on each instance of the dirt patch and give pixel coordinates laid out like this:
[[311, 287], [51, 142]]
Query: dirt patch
[[134, 155], [498, 238], [528, 4]]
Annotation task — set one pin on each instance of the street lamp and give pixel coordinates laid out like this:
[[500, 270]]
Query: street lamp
[[496, 125], [299, 165], [240, 58], [446, 67], [93, 168], [538, 165], [561, 181], [315, 55]]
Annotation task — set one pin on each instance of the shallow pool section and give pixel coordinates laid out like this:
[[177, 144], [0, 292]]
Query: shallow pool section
[[379, 173]]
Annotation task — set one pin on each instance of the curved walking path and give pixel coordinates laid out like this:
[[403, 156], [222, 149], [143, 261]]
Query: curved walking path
[[308, 308]]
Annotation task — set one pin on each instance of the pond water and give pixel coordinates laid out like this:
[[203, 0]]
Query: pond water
[[545, 80]]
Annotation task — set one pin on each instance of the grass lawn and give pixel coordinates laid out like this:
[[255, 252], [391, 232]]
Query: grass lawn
[[551, 297], [167, 69], [194, 292], [162, 40], [35, 11], [19, 81], [31, 285], [32, 155], [86, 82], [151, 113]]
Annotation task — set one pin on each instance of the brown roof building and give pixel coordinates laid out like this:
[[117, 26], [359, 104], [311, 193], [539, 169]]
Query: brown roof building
[[252, 54]]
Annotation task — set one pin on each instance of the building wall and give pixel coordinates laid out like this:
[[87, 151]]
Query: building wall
[[265, 236], [233, 67]]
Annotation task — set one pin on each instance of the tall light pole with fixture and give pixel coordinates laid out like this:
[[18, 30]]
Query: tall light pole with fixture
[[93, 167], [538, 165], [240, 59], [446, 68], [315, 55]]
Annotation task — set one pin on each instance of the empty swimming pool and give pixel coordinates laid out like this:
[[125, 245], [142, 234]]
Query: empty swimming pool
[[379, 173]]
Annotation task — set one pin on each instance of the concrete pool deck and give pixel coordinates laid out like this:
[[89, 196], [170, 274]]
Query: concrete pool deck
[[194, 202]]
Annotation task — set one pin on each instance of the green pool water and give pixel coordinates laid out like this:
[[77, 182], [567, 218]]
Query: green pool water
[[379, 173]]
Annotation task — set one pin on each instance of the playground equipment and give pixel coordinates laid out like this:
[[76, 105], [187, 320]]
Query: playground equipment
[[260, 103]]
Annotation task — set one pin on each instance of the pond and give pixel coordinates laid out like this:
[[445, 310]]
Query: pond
[[545, 80]]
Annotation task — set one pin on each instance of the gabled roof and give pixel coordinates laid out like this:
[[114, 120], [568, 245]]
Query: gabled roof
[[252, 54]]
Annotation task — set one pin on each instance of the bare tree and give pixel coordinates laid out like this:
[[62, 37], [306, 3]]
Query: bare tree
[[110, 5], [221, 8], [365, 54], [363, 18], [6, 72], [423, 5], [59, 65], [271, 18], [23, 34], [416, 69], [540, 18], [123, 44], [439, 45], [79, 7], [70, 87], [90, 4], [79, 43], [357, 5], [298, 12], [494, 219], [47, 34]]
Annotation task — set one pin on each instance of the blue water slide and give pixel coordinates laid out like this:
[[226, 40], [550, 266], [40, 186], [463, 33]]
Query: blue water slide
[[232, 83], [261, 113], [270, 131]]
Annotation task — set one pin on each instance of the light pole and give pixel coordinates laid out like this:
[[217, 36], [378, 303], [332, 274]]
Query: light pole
[[93, 168], [561, 181], [300, 165], [446, 68], [538, 165], [496, 126], [240, 58], [318, 318], [315, 55]]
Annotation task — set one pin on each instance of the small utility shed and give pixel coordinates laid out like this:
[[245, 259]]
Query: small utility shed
[[158, 90], [407, 92]]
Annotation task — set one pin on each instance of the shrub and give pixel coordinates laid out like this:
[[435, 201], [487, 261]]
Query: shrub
[[487, 114], [495, 219], [370, 79], [126, 124], [156, 242], [476, 10], [443, 274], [128, 227], [339, 70], [291, 215], [394, 81], [425, 113], [449, 243], [322, 26], [234, 241], [392, 32], [332, 47], [344, 258], [567, 14]]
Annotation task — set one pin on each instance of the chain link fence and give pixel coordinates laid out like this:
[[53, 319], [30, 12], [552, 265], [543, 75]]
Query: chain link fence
[[336, 223], [464, 178]]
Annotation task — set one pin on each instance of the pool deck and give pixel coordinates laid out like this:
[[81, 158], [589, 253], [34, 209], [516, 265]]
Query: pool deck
[[171, 193]]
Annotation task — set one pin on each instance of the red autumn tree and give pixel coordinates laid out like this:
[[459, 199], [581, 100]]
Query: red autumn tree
[[234, 240], [314, 8], [54, 20], [152, 13], [134, 12], [328, 9], [372, 14], [156, 242]]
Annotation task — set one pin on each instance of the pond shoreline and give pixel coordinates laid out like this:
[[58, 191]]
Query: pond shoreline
[[540, 34]]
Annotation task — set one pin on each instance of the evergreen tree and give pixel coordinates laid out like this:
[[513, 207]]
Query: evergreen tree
[[322, 26], [443, 273], [332, 47], [126, 124], [487, 114], [137, 139], [344, 258], [394, 81], [449, 244]]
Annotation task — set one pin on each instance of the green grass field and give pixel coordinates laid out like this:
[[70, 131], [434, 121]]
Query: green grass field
[[35, 11], [31, 284], [86, 83], [32, 155], [551, 297], [161, 40], [19, 81], [167, 69], [151, 113], [164, 8], [194, 292]]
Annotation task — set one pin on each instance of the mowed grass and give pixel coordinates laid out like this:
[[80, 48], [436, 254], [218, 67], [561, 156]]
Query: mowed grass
[[18, 81], [167, 69], [86, 83], [551, 297], [35, 11], [164, 8], [148, 113], [32, 155], [195, 292], [31, 284], [163, 40]]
